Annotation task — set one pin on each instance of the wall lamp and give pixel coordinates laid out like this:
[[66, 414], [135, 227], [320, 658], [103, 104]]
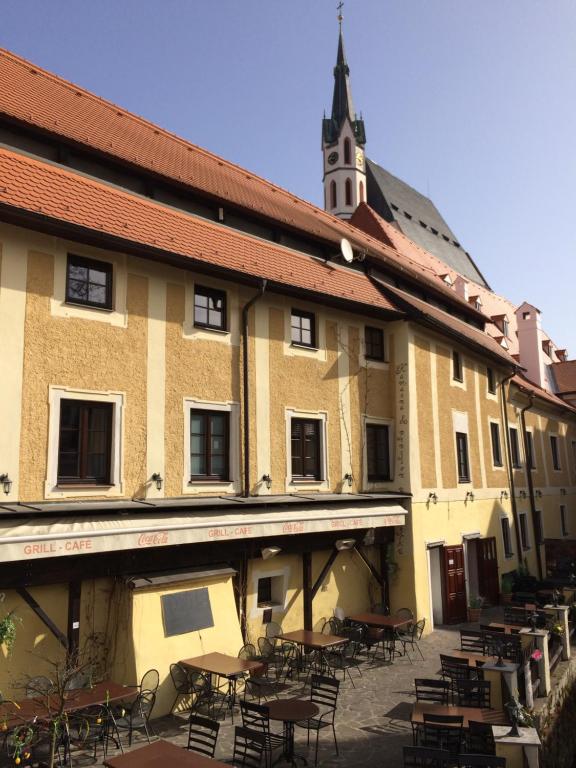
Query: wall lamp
[[158, 479], [349, 478], [343, 544], [432, 497], [538, 493], [6, 483], [522, 494], [504, 495], [469, 496], [268, 552], [268, 480]]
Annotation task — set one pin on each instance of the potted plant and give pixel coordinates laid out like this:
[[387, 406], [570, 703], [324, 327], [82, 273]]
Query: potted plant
[[8, 630], [475, 609], [507, 588]]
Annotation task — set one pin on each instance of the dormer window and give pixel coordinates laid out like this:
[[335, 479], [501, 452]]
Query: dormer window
[[476, 302]]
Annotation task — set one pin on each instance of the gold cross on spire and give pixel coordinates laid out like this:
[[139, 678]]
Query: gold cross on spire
[[339, 9]]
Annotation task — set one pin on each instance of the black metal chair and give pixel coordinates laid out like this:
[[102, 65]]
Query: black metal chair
[[255, 717], [150, 681], [473, 693], [274, 657], [345, 657], [411, 637], [323, 693], [273, 629], [138, 717], [432, 690], [481, 761], [472, 641], [249, 747], [424, 757], [454, 668], [404, 613], [208, 699], [202, 735], [181, 681], [88, 729], [442, 732], [480, 738]]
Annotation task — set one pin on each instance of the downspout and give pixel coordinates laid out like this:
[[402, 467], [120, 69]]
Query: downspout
[[246, 393], [503, 404], [531, 485]]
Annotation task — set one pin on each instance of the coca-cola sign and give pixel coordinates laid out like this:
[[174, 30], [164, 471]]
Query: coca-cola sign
[[158, 539]]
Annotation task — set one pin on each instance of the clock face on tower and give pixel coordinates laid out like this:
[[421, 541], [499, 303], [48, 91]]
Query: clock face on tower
[[332, 157], [359, 159]]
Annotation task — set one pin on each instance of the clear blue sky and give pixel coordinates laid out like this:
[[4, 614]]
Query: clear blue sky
[[471, 102]]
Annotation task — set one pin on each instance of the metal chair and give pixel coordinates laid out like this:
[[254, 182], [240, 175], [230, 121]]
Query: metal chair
[[273, 629], [138, 717], [87, 729], [344, 657], [248, 748], [271, 655], [473, 693], [442, 732], [207, 698], [411, 637], [472, 641], [202, 735], [481, 761], [181, 681], [323, 693], [150, 681], [255, 717], [404, 613], [432, 690], [424, 757], [480, 738], [454, 669]]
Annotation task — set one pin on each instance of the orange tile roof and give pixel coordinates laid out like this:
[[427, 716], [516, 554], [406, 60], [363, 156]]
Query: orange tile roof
[[565, 376], [528, 386], [47, 190]]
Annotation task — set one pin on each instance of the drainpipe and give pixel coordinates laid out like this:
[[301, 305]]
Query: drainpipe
[[245, 376], [503, 404], [531, 485]]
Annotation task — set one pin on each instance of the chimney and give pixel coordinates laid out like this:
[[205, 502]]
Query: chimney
[[530, 338], [461, 287]]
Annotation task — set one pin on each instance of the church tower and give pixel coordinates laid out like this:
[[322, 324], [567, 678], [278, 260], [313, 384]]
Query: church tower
[[343, 140]]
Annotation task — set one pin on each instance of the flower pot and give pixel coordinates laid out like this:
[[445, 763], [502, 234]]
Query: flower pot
[[474, 615]]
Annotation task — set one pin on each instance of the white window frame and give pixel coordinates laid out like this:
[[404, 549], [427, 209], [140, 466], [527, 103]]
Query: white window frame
[[304, 485], [367, 362], [510, 554], [256, 610], [453, 381], [366, 420], [230, 335], [51, 488], [296, 350], [497, 467], [231, 486]]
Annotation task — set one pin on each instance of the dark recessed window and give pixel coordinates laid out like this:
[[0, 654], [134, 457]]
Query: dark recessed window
[[539, 530], [306, 449], [209, 445], [456, 366], [525, 541], [347, 151], [209, 308], [563, 523], [530, 458], [462, 456], [555, 454], [85, 442], [491, 381], [496, 447], [378, 452], [303, 328], [264, 590], [506, 537], [374, 343], [348, 192], [88, 282], [514, 448]]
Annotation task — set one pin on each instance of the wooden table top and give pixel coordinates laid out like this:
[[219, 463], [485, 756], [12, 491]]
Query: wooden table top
[[292, 710], [509, 629], [42, 707], [221, 664], [474, 659], [477, 714], [161, 753], [379, 620], [313, 639]]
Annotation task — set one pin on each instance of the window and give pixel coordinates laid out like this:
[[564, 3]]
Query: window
[[539, 530], [270, 591], [264, 591], [496, 447], [303, 328], [209, 445], [525, 541], [333, 195], [305, 443], [555, 454], [456, 366], [209, 308], [514, 448], [348, 192], [563, 525], [378, 452], [462, 456], [361, 188], [504, 522], [347, 152], [89, 282], [491, 381], [84, 445], [374, 343], [530, 459]]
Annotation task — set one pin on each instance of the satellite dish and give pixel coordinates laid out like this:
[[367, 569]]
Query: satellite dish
[[346, 250]]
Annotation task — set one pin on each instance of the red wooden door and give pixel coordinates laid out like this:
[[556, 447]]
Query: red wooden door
[[488, 569], [454, 587]]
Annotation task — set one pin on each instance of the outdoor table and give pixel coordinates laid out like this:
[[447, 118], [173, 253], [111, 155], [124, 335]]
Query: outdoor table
[[222, 665], [291, 711], [315, 640], [476, 714], [162, 753], [473, 659], [379, 620], [509, 629]]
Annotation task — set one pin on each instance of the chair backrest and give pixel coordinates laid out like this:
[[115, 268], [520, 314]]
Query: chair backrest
[[442, 736], [38, 686], [432, 717], [324, 691], [455, 668], [202, 735], [255, 717], [339, 613], [473, 693], [273, 629], [248, 748], [150, 681], [247, 652], [88, 725], [417, 629], [488, 628], [425, 757], [480, 738], [404, 613], [432, 690], [265, 647], [472, 641], [143, 705], [481, 761], [180, 678]]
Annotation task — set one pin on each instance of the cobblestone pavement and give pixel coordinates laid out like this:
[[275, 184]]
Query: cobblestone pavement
[[373, 718]]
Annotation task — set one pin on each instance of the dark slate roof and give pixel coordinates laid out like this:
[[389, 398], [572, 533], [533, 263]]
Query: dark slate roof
[[397, 202], [342, 106]]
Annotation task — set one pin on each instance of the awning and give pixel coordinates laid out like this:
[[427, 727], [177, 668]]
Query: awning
[[58, 537]]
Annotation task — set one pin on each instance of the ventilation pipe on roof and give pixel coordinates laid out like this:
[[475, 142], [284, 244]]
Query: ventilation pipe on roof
[[246, 387]]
